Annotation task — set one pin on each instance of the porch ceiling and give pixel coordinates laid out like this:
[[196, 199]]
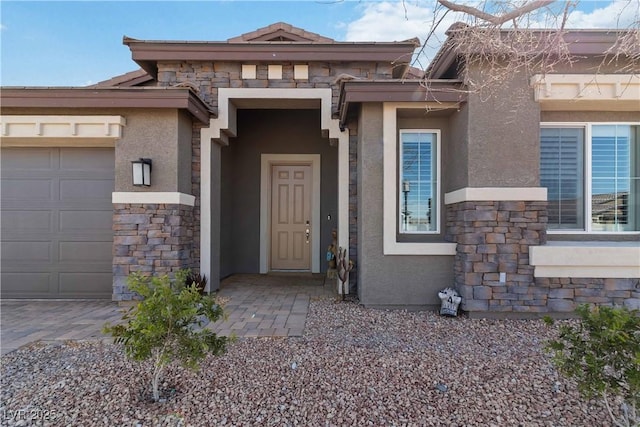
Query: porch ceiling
[[276, 104]]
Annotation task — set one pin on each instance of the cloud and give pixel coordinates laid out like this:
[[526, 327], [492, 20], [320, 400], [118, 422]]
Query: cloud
[[396, 21], [3, 27], [617, 14]]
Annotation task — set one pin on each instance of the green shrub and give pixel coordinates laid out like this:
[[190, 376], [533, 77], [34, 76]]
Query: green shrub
[[602, 354], [166, 325]]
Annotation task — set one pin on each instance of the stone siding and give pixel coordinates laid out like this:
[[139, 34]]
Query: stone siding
[[207, 77], [152, 239], [195, 191], [566, 293], [494, 238], [353, 208]]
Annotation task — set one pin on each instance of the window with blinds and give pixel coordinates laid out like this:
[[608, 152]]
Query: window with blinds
[[562, 172], [600, 160], [614, 177], [418, 186]]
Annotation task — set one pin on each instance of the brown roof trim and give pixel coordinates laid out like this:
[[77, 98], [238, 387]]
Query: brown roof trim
[[280, 29], [589, 42], [148, 97], [148, 52], [356, 91], [132, 78]]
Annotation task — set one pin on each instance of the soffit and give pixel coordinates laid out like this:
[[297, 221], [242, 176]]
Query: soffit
[[148, 53], [147, 97], [593, 42], [446, 92], [276, 104]]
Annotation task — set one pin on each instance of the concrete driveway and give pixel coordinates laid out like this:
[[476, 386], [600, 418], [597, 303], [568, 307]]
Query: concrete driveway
[[257, 306]]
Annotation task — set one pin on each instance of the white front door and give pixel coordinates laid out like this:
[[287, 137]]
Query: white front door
[[291, 217]]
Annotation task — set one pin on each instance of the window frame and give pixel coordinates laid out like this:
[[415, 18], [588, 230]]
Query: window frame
[[435, 197], [587, 176]]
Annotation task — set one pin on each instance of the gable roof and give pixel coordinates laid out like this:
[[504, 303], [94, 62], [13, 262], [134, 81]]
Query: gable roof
[[280, 32], [579, 42], [130, 79], [275, 43]]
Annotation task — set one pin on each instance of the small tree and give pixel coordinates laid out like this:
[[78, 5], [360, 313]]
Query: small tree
[[166, 325], [602, 353]]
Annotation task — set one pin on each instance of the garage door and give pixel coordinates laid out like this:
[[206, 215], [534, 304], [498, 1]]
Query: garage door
[[56, 222]]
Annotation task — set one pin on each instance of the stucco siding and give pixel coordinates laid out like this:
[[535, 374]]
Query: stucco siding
[[185, 129], [503, 132], [270, 132], [154, 135], [456, 173], [226, 217], [388, 281]]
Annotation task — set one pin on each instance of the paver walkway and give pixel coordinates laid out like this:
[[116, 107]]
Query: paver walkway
[[269, 305], [258, 305]]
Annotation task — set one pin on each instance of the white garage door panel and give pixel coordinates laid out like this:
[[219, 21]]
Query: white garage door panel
[[57, 222]]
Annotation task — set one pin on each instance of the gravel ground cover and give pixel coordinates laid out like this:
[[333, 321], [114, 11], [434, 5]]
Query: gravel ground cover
[[353, 366]]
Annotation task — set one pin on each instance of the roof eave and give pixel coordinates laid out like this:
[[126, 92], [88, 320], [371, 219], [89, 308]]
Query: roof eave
[[42, 97], [358, 91], [147, 53], [580, 43]]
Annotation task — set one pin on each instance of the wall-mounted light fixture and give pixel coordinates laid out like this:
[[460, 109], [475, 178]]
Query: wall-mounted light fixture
[[141, 172]]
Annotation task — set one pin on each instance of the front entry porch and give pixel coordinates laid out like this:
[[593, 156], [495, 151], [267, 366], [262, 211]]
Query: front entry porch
[[270, 305]]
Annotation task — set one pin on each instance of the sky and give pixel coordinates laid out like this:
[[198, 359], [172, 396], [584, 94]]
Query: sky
[[79, 43]]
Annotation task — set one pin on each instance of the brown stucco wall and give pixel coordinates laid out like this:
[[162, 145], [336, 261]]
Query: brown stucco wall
[[273, 132], [185, 128], [410, 282], [456, 174], [503, 134], [152, 134]]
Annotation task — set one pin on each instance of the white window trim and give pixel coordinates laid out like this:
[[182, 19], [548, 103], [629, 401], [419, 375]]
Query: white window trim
[[586, 259], [587, 176], [390, 212], [154, 197], [436, 197]]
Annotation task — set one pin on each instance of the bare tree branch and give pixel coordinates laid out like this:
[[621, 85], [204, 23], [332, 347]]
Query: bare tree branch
[[496, 20]]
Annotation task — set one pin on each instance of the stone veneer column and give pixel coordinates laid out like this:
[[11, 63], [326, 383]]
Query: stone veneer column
[[153, 239], [494, 237]]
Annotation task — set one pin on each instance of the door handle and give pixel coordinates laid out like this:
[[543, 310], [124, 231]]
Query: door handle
[[307, 232]]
